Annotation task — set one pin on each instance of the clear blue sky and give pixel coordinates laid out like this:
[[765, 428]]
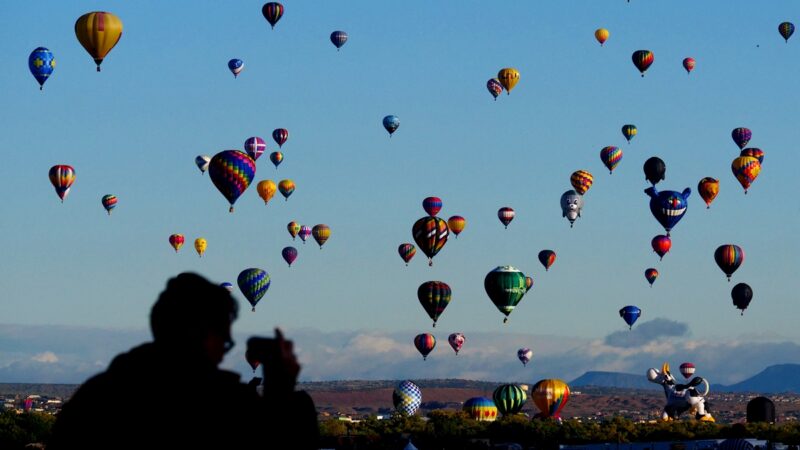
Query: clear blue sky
[[165, 95]]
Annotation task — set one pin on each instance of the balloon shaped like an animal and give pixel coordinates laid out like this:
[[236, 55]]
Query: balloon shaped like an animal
[[654, 170], [668, 207], [406, 398], [681, 397], [571, 206]]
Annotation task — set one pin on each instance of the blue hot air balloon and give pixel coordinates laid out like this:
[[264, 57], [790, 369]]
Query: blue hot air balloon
[[338, 38], [391, 123], [254, 284], [235, 66], [668, 207], [41, 63], [629, 314]]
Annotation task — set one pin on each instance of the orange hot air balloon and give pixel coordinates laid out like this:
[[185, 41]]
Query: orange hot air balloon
[[456, 224], [176, 241], [708, 188], [266, 190], [746, 169], [550, 396], [581, 180], [508, 77], [98, 32], [601, 34], [293, 228]]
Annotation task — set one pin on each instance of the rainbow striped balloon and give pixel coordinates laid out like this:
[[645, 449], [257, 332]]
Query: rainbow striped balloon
[[61, 177], [109, 202], [611, 156], [729, 257], [231, 171]]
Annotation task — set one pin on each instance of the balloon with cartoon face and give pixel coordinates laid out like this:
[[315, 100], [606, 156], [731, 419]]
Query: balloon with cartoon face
[[571, 206], [668, 207]]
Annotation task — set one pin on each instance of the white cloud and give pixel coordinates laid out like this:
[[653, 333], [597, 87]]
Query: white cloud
[[45, 357]]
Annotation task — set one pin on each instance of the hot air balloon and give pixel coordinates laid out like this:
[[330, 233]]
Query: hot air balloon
[[425, 343], [756, 153], [338, 38], [481, 409], [293, 228], [276, 158], [786, 29], [430, 234], [651, 274], [321, 233], [251, 359], [668, 207], [227, 286], [687, 370], [456, 224], [289, 255], [610, 156], [550, 396], [629, 131], [642, 59], [236, 66], [98, 32], [509, 399], [41, 64], [708, 188], [391, 123], [506, 215], [202, 162], [601, 34], [266, 190], [547, 258], [581, 180], [741, 136], [729, 257], [407, 251], [746, 169], [741, 294], [304, 233], [272, 11], [406, 398], [109, 202], [630, 314], [200, 246], [255, 146], [434, 296], [525, 355], [254, 284], [505, 286], [688, 64], [508, 77], [61, 177], [661, 245], [571, 206], [176, 241], [456, 341], [280, 135], [528, 284], [231, 171], [494, 87], [432, 205], [286, 187], [654, 170]]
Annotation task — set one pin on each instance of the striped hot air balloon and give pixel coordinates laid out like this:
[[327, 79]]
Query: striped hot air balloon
[[61, 177], [481, 409], [509, 399]]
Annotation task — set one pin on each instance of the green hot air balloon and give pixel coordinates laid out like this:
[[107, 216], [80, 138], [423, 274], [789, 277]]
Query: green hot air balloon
[[505, 286], [254, 284], [509, 399]]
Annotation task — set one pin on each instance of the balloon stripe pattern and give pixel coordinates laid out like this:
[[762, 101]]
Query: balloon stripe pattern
[[61, 177], [231, 171], [321, 234], [610, 156], [406, 398], [509, 399], [254, 284], [550, 396], [280, 135], [729, 257], [786, 29], [425, 343], [642, 59], [434, 296], [98, 32], [629, 131], [432, 205], [481, 409], [430, 234], [272, 11], [407, 251], [109, 202]]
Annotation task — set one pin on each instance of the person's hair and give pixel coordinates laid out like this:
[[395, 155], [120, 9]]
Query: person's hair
[[190, 308]]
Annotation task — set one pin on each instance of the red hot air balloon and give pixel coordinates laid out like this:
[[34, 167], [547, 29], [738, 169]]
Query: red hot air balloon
[[456, 341], [687, 370], [407, 251], [547, 258], [280, 135], [425, 343], [430, 234], [661, 245], [432, 205], [506, 215], [688, 64], [289, 255], [456, 224]]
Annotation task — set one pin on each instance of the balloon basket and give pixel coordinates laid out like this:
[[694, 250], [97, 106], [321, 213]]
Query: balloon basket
[[253, 310]]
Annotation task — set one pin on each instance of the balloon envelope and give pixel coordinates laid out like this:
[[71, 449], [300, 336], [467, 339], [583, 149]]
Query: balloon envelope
[[235, 66], [321, 233], [688, 64], [506, 215], [630, 314], [581, 180], [642, 59], [481, 409], [406, 398], [289, 255], [200, 246], [255, 146], [425, 343], [231, 171], [629, 131], [668, 207], [176, 241], [61, 177], [294, 228], [430, 234], [505, 287], [687, 370], [407, 251], [571, 206], [41, 63], [272, 11], [456, 340], [547, 258], [202, 162], [456, 224], [434, 296], [280, 135], [550, 396], [756, 153], [746, 170], [338, 38], [276, 158], [391, 123], [508, 77], [494, 87], [254, 284], [266, 190], [432, 205], [654, 170], [651, 274], [525, 355], [786, 29], [286, 187], [661, 245], [601, 34], [610, 156], [741, 136], [741, 294], [109, 202], [98, 32], [708, 188], [729, 257], [509, 399]]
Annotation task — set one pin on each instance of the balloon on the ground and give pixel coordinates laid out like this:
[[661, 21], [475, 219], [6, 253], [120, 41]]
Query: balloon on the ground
[[272, 11], [651, 274], [547, 258], [286, 187], [601, 34], [456, 224], [571, 206], [456, 340], [406, 398], [786, 29], [668, 207], [729, 257], [202, 162], [235, 66], [630, 314], [434, 296], [432, 205], [289, 255], [610, 156], [276, 158], [581, 181], [430, 234], [654, 170], [741, 136], [550, 396], [746, 170], [200, 246], [109, 202], [661, 245], [425, 343], [255, 146], [254, 284], [708, 188], [688, 64], [294, 228], [481, 409], [506, 215], [98, 32], [280, 136], [62, 177], [525, 355], [266, 190], [304, 233], [494, 87], [629, 131], [742, 294], [642, 59], [41, 64], [407, 251], [231, 171], [505, 286], [176, 241], [321, 234], [338, 38], [391, 124], [687, 370], [508, 77], [509, 399], [756, 153]]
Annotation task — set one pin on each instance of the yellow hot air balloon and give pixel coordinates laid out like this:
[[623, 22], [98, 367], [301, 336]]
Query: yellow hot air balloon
[[746, 169], [601, 34], [550, 396], [508, 78], [200, 245], [98, 32], [266, 190]]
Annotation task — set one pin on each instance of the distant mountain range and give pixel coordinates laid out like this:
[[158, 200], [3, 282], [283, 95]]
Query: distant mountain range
[[613, 380]]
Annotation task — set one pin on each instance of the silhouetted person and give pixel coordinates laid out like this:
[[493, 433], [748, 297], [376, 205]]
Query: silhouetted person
[[170, 392]]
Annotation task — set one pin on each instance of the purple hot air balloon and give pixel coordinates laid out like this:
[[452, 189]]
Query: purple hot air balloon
[[280, 135], [338, 38], [289, 255], [254, 146], [304, 233], [741, 136], [525, 355]]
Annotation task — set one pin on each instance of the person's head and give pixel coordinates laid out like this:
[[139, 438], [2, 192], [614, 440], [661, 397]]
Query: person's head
[[194, 314]]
